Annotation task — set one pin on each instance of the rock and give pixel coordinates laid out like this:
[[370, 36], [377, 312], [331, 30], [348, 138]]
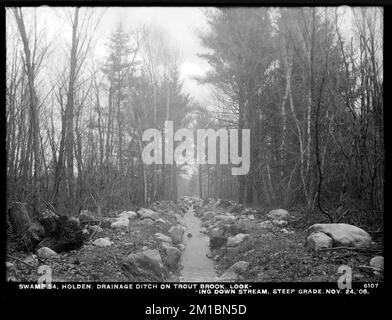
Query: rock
[[45, 253], [181, 247], [251, 217], [177, 233], [266, 224], [96, 229], [173, 257], [203, 230], [285, 231], [148, 214], [216, 242], [162, 221], [162, 237], [216, 233], [233, 229], [234, 241], [229, 276], [278, 214], [279, 223], [239, 267], [9, 266], [147, 263], [120, 225], [208, 215], [343, 234], [147, 222], [102, 242], [377, 262], [245, 224], [319, 240], [166, 245], [31, 260], [127, 215]]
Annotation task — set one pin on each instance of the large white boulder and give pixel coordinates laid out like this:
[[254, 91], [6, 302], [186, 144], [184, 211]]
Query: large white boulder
[[45, 253], [343, 234], [163, 238], [148, 214], [102, 242], [120, 225], [237, 239], [319, 240], [127, 215], [278, 214]]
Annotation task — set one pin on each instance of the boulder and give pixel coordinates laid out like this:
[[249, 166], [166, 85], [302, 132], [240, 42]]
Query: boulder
[[278, 214], [131, 215], [318, 240], [266, 224], [279, 223], [377, 262], [147, 222], [239, 267], [162, 237], [181, 247], [343, 234], [120, 225], [245, 224], [45, 253], [216, 233], [147, 264], [208, 215], [237, 239], [96, 229], [216, 242], [229, 276], [203, 230], [148, 214], [177, 233], [102, 242], [173, 257], [160, 220]]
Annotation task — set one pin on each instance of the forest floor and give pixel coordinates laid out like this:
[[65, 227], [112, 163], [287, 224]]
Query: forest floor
[[273, 256]]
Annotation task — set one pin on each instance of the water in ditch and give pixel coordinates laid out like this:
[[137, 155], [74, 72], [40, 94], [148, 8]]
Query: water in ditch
[[196, 266]]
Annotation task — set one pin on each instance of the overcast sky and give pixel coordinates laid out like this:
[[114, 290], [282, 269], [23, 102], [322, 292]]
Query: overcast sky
[[181, 24]]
